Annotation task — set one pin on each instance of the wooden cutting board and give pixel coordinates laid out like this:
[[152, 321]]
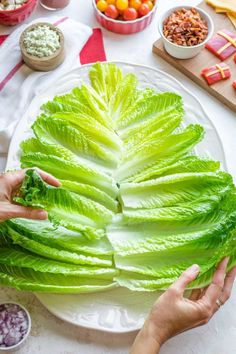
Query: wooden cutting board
[[222, 90]]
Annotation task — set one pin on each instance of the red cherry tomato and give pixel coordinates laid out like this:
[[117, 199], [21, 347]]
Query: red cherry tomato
[[130, 14], [143, 10], [112, 11]]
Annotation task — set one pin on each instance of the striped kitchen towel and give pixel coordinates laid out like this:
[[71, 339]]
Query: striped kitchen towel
[[19, 84]]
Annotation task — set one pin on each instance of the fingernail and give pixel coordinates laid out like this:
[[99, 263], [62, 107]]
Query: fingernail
[[226, 260], [42, 214], [194, 268]]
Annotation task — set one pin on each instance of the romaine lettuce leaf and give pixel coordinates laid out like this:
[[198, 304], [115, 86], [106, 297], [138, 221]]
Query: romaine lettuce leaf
[[28, 279], [64, 207]]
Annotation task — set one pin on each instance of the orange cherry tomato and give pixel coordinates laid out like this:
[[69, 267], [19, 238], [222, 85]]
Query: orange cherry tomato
[[135, 4], [150, 4], [122, 4], [102, 5], [130, 14], [112, 11], [111, 2], [143, 10]]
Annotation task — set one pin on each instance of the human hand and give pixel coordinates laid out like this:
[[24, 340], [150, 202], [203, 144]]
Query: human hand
[[173, 314], [9, 183]]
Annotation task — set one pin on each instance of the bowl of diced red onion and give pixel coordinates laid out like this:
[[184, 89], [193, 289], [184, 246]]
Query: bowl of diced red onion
[[185, 30], [15, 326]]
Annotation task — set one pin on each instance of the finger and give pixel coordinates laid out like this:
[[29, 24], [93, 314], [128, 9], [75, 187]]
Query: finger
[[48, 178], [229, 281], [195, 294], [215, 288], [17, 211], [186, 278], [15, 178]]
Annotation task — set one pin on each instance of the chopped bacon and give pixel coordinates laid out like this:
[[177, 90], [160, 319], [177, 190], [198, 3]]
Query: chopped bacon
[[185, 27], [235, 58], [216, 73], [223, 44], [234, 85]]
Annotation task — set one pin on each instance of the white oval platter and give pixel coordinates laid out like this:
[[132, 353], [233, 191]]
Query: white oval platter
[[118, 310]]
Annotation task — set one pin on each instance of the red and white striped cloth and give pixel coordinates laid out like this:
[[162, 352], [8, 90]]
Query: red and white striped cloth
[[19, 84]]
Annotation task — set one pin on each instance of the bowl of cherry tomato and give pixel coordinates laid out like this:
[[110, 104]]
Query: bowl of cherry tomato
[[124, 16]]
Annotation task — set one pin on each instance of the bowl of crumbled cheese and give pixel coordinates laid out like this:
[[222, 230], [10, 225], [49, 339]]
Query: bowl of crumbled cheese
[[42, 46], [13, 12]]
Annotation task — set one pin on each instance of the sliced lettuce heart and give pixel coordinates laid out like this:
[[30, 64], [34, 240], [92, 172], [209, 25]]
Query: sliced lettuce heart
[[136, 205]]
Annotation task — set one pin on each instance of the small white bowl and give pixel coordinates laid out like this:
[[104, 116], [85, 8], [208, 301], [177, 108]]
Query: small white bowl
[[17, 346], [185, 52]]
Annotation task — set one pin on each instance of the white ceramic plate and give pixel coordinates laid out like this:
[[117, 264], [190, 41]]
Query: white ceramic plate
[[118, 310]]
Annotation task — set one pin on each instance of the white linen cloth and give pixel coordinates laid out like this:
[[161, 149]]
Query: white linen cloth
[[24, 84]]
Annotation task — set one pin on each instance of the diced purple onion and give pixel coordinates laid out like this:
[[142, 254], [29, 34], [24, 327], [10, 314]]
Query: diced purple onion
[[13, 324]]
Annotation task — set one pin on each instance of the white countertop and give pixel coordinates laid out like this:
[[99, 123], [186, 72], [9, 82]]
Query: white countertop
[[52, 336]]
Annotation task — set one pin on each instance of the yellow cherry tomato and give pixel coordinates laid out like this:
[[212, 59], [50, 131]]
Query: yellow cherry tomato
[[135, 4], [111, 2], [102, 5], [150, 4], [122, 4]]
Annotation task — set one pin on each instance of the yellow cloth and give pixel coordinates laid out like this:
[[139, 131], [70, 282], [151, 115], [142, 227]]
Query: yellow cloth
[[232, 19], [225, 6], [220, 10]]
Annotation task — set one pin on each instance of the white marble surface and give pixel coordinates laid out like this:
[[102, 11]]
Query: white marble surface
[[50, 335]]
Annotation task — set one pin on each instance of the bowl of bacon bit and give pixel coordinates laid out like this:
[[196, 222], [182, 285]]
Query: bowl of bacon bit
[[185, 31]]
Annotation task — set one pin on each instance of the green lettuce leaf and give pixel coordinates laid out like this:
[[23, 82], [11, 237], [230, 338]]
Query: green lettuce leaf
[[59, 237], [105, 79], [71, 170], [142, 159], [23, 259], [28, 279], [64, 207]]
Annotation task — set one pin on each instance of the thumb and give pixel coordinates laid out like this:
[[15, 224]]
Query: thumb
[[186, 278], [18, 211]]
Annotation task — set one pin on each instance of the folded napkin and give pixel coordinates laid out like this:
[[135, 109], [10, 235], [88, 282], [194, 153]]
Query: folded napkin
[[19, 84]]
